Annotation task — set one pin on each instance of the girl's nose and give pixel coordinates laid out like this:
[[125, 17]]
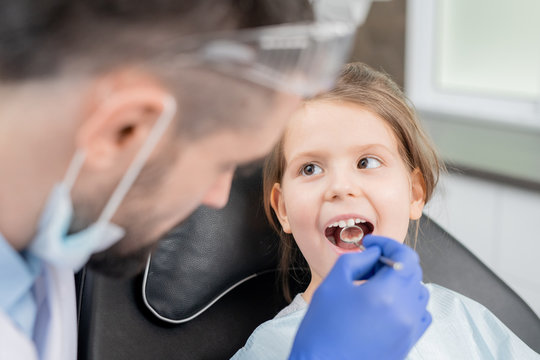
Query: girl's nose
[[342, 185]]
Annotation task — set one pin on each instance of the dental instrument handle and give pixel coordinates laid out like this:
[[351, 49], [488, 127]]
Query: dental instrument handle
[[396, 265]]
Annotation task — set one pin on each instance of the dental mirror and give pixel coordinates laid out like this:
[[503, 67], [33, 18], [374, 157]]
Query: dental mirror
[[354, 234]]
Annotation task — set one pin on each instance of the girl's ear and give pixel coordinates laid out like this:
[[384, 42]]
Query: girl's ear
[[418, 193], [277, 203]]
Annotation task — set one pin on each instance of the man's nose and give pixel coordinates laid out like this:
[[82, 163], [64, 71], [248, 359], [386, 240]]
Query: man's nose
[[218, 195]]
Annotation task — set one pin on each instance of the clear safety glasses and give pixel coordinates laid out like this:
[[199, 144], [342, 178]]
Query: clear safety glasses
[[302, 59]]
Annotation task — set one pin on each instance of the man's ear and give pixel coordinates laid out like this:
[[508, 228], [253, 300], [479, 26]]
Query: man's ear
[[277, 203], [418, 193], [120, 119]]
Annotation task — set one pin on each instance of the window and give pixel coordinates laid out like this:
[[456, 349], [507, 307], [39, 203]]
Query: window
[[479, 59]]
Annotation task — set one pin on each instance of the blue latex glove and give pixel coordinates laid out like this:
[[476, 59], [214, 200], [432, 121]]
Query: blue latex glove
[[380, 319]]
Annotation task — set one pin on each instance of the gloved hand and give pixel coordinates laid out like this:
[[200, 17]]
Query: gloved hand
[[381, 318]]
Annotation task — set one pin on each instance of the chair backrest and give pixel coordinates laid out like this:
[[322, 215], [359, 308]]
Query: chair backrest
[[445, 261], [211, 281]]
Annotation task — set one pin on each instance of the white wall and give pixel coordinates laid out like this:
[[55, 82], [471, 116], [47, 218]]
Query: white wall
[[500, 224]]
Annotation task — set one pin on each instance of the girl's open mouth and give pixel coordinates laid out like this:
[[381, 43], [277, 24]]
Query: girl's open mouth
[[333, 231]]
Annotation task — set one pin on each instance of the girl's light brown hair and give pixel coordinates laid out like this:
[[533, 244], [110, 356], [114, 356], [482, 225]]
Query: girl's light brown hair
[[375, 91]]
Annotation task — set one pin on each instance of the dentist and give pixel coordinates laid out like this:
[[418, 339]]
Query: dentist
[[117, 119]]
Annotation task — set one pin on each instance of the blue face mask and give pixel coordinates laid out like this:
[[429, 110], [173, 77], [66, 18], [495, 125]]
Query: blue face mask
[[52, 242]]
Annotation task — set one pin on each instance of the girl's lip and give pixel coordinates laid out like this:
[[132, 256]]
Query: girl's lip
[[341, 251]]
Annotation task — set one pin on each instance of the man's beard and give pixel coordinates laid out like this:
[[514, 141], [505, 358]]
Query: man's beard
[[113, 261], [110, 263]]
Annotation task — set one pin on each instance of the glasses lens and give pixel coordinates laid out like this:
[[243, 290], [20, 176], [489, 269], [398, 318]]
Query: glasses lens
[[303, 59]]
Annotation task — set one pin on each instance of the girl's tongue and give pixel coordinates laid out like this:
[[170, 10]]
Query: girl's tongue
[[351, 234], [347, 246]]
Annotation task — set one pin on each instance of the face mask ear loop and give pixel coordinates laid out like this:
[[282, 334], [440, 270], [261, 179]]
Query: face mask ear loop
[[169, 110], [74, 168]]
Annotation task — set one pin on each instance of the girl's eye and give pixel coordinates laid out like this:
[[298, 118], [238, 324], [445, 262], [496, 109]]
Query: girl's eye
[[311, 169], [368, 163]]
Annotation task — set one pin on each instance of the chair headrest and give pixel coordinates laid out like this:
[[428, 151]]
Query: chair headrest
[[210, 253]]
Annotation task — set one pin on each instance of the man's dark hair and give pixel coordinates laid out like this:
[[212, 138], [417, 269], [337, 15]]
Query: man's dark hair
[[38, 36]]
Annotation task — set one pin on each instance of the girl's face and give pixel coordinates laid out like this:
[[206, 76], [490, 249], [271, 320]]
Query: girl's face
[[342, 164]]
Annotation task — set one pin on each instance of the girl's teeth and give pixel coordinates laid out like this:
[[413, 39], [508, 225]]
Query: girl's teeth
[[348, 222]]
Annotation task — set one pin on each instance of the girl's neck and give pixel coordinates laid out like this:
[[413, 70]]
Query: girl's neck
[[313, 285]]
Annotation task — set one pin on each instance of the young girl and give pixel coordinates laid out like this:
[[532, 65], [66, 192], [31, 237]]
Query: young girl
[[357, 155]]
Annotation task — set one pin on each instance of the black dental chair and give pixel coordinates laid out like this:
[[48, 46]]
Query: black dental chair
[[212, 281]]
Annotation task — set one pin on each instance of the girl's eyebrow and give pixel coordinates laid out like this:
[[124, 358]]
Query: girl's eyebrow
[[372, 147], [317, 154]]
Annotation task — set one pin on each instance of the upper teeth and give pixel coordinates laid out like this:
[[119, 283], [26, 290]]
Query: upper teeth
[[348, 222]]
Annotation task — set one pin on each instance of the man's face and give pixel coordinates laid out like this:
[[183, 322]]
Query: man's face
[[199, 174]]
